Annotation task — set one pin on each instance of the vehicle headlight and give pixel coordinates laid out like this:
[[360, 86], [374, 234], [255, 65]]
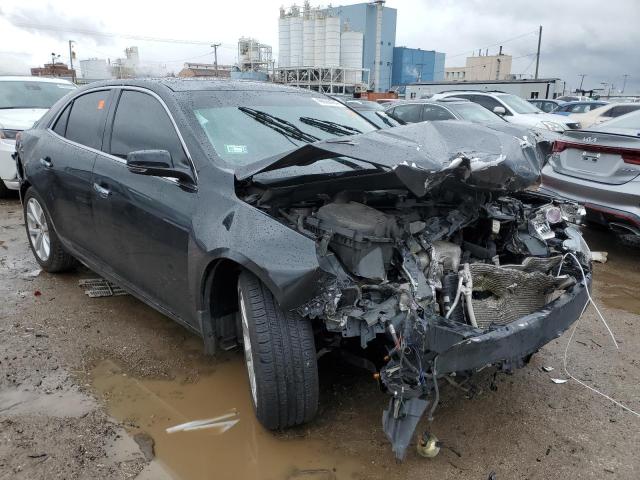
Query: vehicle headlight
[[7, 134], [553, 126]]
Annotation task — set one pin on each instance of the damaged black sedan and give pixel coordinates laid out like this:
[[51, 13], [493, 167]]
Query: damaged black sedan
[[282, 220]]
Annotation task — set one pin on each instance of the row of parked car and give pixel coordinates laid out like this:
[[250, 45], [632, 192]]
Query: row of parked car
[[596, 161], [287, 222]]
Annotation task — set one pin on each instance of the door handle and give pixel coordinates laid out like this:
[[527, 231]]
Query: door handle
[[46, 162], [102, 191]]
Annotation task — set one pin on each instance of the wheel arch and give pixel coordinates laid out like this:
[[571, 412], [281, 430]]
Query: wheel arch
[[218, 293]]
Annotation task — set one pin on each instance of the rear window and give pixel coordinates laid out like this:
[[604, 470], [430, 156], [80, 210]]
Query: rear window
[[86, 120], [29, 94]]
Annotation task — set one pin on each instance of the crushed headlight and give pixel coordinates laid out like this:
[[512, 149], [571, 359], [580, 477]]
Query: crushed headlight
[[553, 215], [573, 213]]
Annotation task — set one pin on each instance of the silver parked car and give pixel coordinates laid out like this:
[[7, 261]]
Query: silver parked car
[[600, 168]]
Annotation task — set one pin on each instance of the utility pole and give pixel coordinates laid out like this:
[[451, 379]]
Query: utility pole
[[624, 83], [538, 53], [215, 56], [582, 75], [71, 60]]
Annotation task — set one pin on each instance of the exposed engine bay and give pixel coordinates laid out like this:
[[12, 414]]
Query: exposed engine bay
[[469, 261], [455, 264]]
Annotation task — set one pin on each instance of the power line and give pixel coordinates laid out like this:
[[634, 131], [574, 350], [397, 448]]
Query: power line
[[501, 42]]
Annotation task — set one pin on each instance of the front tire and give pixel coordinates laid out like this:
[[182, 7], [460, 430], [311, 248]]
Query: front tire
[[280, 356], [45, 244]]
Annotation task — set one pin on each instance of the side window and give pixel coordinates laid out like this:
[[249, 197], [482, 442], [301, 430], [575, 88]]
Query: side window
[[142, 123], [61, 124], [621, 110], [434, 112], [548, 107], [408, 113], [487, 102], [85, 124]]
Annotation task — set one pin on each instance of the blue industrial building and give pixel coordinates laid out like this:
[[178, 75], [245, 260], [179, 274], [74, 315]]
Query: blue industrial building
[[363, 17], [415, 65]]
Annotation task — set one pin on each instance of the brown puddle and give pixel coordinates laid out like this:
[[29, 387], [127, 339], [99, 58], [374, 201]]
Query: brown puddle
[[245, 451], [616, 282]]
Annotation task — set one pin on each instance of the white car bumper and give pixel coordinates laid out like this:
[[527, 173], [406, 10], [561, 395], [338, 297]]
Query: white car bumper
[[8, 173]]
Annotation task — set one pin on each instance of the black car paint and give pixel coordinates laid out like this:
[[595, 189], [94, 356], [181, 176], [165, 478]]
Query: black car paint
[[177, 245], [170, 237]]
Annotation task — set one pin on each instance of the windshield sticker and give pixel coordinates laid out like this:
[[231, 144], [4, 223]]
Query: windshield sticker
[[327, 102], [235, 149]]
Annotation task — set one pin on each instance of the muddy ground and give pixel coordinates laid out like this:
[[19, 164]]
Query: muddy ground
[[88, 387]]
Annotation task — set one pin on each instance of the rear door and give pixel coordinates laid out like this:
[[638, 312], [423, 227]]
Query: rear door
[[599, 157], [66, 165], [144, 222], [410, 113], [486, 101], [432, 113]]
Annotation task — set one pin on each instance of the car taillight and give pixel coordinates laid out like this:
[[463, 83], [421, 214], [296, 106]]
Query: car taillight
[[629, 155], [559, 146]]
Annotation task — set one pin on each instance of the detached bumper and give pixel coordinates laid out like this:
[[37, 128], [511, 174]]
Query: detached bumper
[[511, 343]]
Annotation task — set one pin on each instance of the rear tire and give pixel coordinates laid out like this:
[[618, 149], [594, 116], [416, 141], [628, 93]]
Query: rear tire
[[280, 355], [45, 244]]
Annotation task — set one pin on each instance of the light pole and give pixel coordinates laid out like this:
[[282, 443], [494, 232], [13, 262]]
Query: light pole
[[624, 82], [73, 74], [54, 57], [215, 56], [582, 75]]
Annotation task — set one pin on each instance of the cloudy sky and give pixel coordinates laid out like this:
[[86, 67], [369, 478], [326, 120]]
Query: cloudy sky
[[598, 38]]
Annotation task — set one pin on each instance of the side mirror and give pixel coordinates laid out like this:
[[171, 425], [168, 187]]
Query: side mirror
[[156, 163], [499, 111]]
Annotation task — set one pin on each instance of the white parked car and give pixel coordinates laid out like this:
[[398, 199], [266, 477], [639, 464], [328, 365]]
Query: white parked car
[[23, 100], [598, 115], [513, 109]]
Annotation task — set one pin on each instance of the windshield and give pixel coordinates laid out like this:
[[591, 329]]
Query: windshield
[[245, 127], [472, 112], [380, 118], [630, 120], [518, 105], [30, 94]]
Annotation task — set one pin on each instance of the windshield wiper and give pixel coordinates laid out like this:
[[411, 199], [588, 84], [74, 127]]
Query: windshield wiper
[[330, 127], [280, 125]]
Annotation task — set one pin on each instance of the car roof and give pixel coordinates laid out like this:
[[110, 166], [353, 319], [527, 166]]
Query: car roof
[[447, 100], [588, 102], [18, 78], [210, 84]]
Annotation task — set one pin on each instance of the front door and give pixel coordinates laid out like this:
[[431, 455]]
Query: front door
[[143, 223]]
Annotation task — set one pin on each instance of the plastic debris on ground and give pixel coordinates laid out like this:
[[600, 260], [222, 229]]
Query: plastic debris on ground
[[221, 423], [600, 257], [559, 380], [99, 287]]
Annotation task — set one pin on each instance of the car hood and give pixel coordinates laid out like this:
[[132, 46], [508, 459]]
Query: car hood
[[546, 117], [20, 118], [422, 155]]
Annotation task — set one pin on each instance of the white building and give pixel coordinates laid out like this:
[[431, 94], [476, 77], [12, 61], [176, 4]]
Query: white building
[[525, 88], [95, 69]]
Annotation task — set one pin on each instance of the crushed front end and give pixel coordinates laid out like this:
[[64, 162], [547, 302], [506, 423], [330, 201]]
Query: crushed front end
[[453, 272]]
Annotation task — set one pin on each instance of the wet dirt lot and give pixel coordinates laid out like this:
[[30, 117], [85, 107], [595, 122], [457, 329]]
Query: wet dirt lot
[[89, 386]]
